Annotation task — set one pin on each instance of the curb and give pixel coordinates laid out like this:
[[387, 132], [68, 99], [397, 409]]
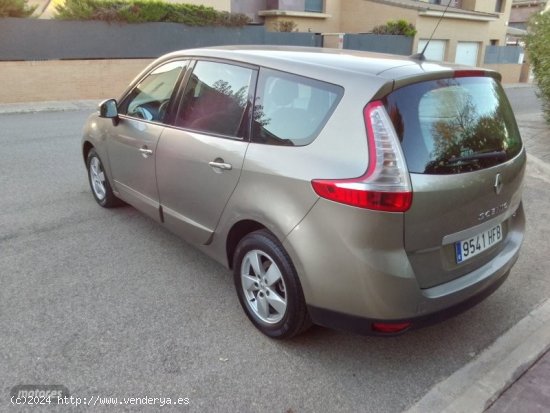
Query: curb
[[479, 383], [51, 106]]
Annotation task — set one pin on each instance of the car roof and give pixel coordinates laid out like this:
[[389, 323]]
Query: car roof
[[295, 58]]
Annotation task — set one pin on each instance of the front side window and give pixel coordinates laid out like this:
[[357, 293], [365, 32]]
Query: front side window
[[215, 99], [149, 99], [290, 109], [456, 125]]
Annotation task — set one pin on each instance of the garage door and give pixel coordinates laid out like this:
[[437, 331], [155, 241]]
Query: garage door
[[466, 53], [435, 50]]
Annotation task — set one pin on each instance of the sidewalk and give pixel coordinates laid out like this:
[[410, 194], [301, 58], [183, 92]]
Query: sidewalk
[[53, 106], [513, 374], [530, 394], [495, 380]]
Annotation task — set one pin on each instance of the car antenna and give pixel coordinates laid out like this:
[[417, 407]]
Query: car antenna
[[420, 56]]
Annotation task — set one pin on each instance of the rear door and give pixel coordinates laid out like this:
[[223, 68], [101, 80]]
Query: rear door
[[466, 163], [132, 143], [199, 159]]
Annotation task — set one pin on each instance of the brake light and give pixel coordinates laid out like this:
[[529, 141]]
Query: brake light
[[469, 73], [385, 186]]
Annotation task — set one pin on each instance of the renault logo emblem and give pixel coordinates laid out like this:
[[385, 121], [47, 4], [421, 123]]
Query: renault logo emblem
[[498, 184]]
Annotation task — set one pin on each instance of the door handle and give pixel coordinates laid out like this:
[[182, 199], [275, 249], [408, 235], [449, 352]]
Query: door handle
[[221, 165], [145, 152]]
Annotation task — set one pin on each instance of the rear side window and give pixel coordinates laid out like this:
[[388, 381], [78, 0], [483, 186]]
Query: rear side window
[[291, 110], [456, 125]]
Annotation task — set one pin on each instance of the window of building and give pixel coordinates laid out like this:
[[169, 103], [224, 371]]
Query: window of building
[[314, 6], [498, 6], [215, 99]]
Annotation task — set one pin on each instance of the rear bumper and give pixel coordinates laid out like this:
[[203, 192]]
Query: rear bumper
[[354, 271], [363, 325]]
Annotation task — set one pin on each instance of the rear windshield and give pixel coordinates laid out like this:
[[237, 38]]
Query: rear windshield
[[450, 126]]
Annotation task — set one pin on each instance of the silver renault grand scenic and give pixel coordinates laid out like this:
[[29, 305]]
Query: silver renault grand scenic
[[357, 191]]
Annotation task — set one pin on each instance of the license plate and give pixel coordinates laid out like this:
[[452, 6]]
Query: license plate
[[471, 247]]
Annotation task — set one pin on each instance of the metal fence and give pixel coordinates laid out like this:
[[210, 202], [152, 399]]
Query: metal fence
[[31, 39], [379, 43], [504, 54]]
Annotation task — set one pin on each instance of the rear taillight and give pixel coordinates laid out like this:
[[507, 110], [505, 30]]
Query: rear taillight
[[385, 186]]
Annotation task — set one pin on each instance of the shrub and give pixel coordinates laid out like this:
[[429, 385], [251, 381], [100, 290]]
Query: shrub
[[15, 8], [396, 27], [538, 48], [140, 11], [285, 26]]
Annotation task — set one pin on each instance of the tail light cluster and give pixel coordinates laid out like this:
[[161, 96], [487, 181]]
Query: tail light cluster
[[385, 186]]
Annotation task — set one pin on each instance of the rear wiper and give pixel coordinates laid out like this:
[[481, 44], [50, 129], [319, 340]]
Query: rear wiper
[[498, 155]]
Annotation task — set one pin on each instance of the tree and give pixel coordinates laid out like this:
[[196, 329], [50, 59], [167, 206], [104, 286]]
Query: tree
[[538, 47], [396, 27], [15, 8]]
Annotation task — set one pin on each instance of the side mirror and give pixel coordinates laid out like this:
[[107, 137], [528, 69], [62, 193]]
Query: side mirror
[[108, 109]]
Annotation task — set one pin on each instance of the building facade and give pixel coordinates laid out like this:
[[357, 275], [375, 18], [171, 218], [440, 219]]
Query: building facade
[[522, 10], [467, 26]]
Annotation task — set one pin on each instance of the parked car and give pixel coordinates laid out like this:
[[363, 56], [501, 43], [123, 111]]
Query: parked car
[[353, 190]]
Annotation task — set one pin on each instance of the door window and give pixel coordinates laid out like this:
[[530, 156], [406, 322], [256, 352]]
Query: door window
[[215, 99], [150, 98], [290, 109]]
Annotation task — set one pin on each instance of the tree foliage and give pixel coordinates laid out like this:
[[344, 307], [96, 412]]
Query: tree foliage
[[396, 27], [285, 26], [15, 8], [538, 47], [140, 11]]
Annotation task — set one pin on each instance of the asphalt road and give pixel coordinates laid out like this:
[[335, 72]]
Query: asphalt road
[[108, 303]]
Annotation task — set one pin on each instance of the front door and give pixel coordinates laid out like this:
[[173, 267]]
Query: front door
[[133, 142], [199, 159]]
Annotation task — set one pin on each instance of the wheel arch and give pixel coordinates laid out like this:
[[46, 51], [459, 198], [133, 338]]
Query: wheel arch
[[237, 232], [86, 147]]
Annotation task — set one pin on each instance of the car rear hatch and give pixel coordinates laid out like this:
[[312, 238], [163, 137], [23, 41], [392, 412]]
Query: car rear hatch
[[465, 158]]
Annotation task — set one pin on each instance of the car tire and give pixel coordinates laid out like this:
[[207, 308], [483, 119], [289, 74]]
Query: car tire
[[268, 287], [99, 184]]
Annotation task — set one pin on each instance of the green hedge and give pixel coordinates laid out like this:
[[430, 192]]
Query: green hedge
[[140, 11], [15, 8], [396, 27], [538, 47]]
